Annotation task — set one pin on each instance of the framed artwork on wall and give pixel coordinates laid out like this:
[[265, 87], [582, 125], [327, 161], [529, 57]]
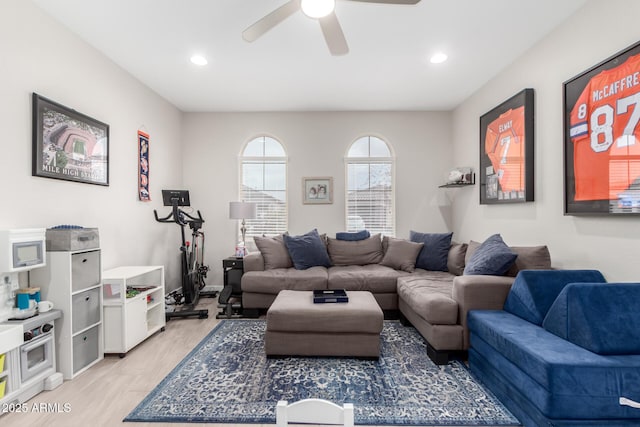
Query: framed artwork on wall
[[601, 137], [68, 145], [317, 190], [506, 151]]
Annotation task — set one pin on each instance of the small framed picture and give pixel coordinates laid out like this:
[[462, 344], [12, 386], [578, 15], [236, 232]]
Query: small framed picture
[[317, 190]]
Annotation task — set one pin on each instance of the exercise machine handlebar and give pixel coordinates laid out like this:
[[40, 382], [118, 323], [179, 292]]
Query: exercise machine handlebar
[[178, 216]]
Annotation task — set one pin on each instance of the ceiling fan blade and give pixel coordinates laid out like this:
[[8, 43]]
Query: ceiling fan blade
[[333, 34], [389, 1], [271, 20]]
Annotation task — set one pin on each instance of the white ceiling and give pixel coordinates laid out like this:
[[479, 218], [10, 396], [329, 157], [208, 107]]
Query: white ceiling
[[290, 68]]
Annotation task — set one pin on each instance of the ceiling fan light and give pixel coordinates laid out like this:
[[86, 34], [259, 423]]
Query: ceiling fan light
[[317, 8], [199, 60], [438, 58]]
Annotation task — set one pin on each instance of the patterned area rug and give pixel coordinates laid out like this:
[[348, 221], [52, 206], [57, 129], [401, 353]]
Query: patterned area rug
[[228, 379]]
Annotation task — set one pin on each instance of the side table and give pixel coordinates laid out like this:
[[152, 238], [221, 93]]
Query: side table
[[230, 299]]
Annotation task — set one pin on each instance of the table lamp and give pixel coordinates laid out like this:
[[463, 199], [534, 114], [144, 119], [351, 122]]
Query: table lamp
[[243, 211]]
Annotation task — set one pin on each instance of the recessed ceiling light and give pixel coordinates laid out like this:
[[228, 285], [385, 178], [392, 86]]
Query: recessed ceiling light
[[438, 58], [199, 60]]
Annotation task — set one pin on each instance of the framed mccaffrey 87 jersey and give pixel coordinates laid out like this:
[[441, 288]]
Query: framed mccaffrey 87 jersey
[[602, 137], [506, 151]]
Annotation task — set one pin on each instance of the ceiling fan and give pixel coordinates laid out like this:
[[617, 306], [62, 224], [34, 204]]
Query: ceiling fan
[[322, 10]]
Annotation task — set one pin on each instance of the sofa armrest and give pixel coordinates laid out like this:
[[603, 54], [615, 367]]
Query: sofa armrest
[[253, 262], [479, 292]]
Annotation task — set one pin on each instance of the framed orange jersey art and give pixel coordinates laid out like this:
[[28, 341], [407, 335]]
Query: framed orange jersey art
[[602, 137], [506, 151]]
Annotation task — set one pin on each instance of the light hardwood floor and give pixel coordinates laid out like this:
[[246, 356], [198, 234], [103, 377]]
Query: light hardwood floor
[[106, 393]]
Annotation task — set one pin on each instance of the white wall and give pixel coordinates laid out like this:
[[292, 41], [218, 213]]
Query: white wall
[[39, 55], [595, 33], [316, 143]]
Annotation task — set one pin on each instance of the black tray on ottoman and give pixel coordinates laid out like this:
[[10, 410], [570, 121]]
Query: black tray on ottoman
[[328, 296]]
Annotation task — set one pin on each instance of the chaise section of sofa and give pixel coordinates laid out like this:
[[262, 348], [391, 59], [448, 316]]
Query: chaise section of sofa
[[437, 303]]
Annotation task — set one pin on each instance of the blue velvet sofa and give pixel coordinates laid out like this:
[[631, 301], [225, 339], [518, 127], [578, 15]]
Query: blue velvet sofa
[[564, 351]]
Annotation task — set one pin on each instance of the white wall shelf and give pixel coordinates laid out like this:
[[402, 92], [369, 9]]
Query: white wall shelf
[[133, 306]]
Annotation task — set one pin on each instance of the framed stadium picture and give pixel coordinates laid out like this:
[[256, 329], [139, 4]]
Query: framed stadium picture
[[601, 137], [68, 145], [506, 151]]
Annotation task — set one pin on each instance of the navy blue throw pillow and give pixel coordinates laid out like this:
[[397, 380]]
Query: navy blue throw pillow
[[435, 252], [353, 236], [493, 257], [307, 251]]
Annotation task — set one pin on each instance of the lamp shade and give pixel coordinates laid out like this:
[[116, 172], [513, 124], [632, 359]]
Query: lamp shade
[[242, 210]]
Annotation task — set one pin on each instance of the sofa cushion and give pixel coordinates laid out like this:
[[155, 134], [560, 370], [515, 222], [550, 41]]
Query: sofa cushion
[[273, 281], [493, 257], [434, 254], [603, 318], [401, 254], [307, 250], [274, 252], [429, 295], [530, 258], [455, 258], [534, 291], [373, 277], [360, 252], [562, 379], [353, 235]]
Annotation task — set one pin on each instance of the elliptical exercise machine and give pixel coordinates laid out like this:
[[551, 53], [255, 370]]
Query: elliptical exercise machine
[[193, 271]]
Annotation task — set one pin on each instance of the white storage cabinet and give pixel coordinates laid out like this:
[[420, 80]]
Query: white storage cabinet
[[72, 281], [133, 306]]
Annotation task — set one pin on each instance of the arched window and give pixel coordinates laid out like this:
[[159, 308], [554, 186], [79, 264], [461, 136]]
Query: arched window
[[370, 196], [263, 180]]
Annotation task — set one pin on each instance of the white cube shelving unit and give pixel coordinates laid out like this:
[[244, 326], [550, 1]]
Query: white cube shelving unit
[[133, 304]]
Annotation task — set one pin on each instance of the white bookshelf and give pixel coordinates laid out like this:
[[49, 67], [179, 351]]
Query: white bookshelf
[[133, 304]]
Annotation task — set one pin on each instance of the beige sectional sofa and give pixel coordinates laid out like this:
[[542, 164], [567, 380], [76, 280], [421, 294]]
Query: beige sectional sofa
[[435, 302]]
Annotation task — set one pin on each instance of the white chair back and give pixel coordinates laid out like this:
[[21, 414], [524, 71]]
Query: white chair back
[[313, 411]]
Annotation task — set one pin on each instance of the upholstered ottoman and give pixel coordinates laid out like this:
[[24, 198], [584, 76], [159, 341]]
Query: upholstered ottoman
[[296, 326]]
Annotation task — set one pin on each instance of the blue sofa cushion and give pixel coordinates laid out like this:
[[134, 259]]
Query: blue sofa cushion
[[493, 257], [604, 319], [561, 379], [353, 236], [533, 291], [307, 251], [434, 254]]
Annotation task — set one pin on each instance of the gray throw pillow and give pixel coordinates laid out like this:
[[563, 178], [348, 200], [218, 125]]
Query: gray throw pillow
[[401, 254], [274, 252], [530, 258], [360, 252], [493, 257], [455, 260]]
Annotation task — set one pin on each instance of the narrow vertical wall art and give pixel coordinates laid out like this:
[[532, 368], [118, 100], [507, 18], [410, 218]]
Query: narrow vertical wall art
[[143, 166]]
